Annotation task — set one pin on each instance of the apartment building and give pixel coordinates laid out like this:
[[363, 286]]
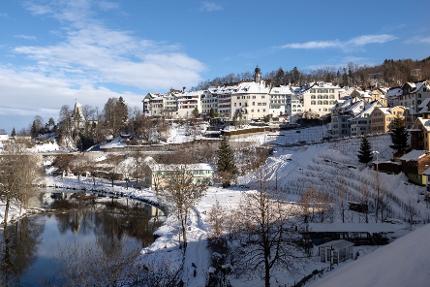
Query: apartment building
[[320, 98], [279, 98]]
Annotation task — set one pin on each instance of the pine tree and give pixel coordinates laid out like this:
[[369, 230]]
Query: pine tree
[[365, 153], [226, 166], [13, 133], [399, 135]]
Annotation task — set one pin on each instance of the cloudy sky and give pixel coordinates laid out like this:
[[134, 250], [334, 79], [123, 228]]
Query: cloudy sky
[[55, 51]]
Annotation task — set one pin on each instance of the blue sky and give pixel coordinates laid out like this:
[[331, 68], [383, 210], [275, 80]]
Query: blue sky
[[53, 52]]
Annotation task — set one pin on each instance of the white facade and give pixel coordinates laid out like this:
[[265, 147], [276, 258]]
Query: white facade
[[279, 98], [250, 101], [321, 98]]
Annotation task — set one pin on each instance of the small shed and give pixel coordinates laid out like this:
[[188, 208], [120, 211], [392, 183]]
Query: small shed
[[335, 251], [413, 165]]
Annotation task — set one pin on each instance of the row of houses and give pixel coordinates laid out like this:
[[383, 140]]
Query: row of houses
[[366, 112], [251, 100]]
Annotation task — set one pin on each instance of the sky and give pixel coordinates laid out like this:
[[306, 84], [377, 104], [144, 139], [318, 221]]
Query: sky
[[54, 52]]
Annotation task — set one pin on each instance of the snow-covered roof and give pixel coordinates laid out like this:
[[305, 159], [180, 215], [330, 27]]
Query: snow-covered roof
[[354, 227], [425, 123], [337, 244], [394, 92], [368, 109], [415, 154], [403, 262], [252, 88], [175, 167], [281, 90]]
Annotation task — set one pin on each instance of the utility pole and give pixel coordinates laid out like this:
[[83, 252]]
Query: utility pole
[[377, 186]]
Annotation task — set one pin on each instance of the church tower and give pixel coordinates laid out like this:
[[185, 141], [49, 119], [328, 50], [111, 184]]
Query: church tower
[[257, 75]]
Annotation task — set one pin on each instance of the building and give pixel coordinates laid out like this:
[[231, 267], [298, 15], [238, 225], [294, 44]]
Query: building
[[320, 98], [159, 174], [294, 108], [279, 98], [414, 163], [336, 251], [420, 131], [381, 118], [360, 124], [411, 97], [393, 94], [343, 111], [189, 104], [209, 103], [153, 105], [251, 100], [77, 118]]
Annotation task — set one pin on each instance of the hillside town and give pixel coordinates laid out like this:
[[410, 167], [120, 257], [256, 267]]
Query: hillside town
[[214, 144]]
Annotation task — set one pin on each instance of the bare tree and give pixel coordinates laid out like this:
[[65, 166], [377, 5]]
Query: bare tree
[[18, 173], [264, 220], [182, 191], [216, 219]]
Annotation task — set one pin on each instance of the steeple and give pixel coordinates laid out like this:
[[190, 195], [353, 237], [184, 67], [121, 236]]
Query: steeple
[[257, 75]]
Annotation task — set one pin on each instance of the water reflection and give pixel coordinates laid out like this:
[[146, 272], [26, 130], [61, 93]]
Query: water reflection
[[83, 233]]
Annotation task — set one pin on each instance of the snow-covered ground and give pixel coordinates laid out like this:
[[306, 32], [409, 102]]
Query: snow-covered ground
[[403, 262], [291, 170]]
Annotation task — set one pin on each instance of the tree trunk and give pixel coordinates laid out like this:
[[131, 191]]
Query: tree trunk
[[266, 271], [6, 212]]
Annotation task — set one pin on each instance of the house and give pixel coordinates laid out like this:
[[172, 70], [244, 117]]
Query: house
[[360, 124], [414, 163], [343, 111], [412, 96], [336, 251], [320, 98], [381, 118], [159, 174], [378, 94]]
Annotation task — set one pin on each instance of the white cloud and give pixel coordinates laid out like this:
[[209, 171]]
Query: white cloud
[[209, 6], [355, 42], [91, 62], [312, 45], [25, 37], [419, 40]]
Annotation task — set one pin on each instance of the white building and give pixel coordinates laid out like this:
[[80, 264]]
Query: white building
[[279, 98], [294, 108], [250, 101], [159, 174], [320, 98], [209, 103]]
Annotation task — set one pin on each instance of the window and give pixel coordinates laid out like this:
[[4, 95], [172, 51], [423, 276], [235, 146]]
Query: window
[[312, 102], [312, 97], [319, 102]]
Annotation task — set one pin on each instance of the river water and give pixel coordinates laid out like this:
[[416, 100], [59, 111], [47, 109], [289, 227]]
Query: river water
[[83, 240]]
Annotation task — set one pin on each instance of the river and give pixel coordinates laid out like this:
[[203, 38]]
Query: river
[[82, 240]]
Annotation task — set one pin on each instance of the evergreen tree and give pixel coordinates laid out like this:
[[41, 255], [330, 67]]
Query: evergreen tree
[[226, 166], [365, 153], [13, 133], [399, 135]]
